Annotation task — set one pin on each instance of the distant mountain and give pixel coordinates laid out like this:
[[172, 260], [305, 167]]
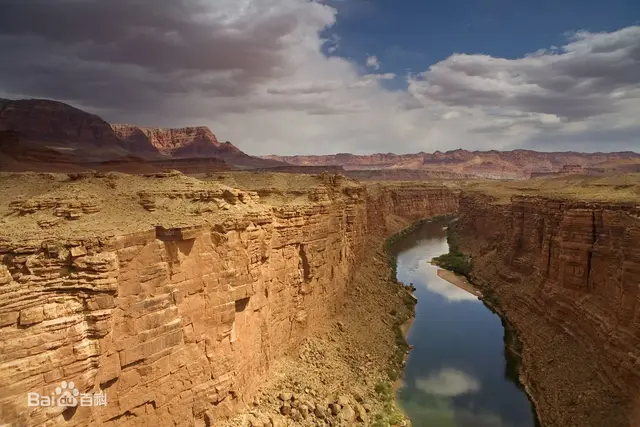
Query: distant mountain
[[40, 134], [61, 127], [489, 164], [190, 142]]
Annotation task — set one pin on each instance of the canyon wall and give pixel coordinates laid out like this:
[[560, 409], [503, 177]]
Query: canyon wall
[[391, 206], [179, 325], [566, 274]]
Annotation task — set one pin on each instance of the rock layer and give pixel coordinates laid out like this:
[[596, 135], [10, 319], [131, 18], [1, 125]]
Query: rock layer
[[189, 142], [167, 141], [178, 325], [566, 274], [460, 163]]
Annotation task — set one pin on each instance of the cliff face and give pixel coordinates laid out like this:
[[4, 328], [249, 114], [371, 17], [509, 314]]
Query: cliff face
[[43, 121], [566, 274], [179, 324], [190, 142], [390, 206], [167, 141]]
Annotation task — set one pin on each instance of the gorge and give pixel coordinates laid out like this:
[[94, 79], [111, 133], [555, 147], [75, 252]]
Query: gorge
[[458, 372], [176, 296]]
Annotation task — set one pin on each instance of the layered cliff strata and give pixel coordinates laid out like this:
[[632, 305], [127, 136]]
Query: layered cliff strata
[[171, 295], [566, 274], [176, 296]]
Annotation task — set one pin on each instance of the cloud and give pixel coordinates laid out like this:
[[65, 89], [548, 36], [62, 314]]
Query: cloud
[[373, 62], [264, 74], [121, 52], [332, 44], [588, 77], [448, 382]]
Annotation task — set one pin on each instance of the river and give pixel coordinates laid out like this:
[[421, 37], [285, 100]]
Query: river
[[456, 374]]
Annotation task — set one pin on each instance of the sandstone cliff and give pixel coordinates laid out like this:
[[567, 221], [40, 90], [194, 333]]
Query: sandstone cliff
[[168, 141], [176, 296], [189, 142], [566, 274], [172, 295]]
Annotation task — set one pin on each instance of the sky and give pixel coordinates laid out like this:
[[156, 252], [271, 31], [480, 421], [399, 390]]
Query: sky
[[322, 77]]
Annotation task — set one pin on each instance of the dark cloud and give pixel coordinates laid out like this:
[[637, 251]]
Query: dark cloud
[[259, 72], [161, 35], [135, 53]]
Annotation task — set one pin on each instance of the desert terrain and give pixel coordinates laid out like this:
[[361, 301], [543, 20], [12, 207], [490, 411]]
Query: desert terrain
[[194, 284]]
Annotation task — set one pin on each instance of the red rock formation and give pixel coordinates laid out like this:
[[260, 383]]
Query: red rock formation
[[190, 142], [54, 124], [16, 156], [53, 136], [131, 164], [567, 275], [178, 325], [167, 141]]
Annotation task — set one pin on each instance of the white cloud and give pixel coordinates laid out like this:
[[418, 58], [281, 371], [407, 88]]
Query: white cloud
[[373, 62], [448, 382], [254, 71], [587, 77]]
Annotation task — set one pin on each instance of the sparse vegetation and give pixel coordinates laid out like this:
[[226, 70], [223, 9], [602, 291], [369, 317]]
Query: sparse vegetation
[[455, 260], [512, 344], [611, 188], [390, 415]]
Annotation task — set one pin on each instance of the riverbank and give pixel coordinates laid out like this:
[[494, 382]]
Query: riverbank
[[514, 353], [459, 281], [513, 344], [451, 364], [348, 368]]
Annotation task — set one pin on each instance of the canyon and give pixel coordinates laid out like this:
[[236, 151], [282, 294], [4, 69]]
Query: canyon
[[565, 273], [180, 296], [177, 296], [176, 308]]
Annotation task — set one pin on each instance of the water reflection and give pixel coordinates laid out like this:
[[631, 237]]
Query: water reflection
[[455, 374], [415, 268], [451, 293], [448, 382]]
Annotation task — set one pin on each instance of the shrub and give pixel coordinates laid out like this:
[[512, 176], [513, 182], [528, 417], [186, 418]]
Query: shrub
[[455, 260]]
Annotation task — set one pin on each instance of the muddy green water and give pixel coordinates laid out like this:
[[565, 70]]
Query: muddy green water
[[456, 374]]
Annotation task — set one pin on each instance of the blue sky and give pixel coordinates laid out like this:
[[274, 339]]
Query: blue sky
[[413, 34], [266, 74]]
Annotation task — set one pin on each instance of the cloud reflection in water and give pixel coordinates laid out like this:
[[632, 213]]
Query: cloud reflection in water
[[448, 382]]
